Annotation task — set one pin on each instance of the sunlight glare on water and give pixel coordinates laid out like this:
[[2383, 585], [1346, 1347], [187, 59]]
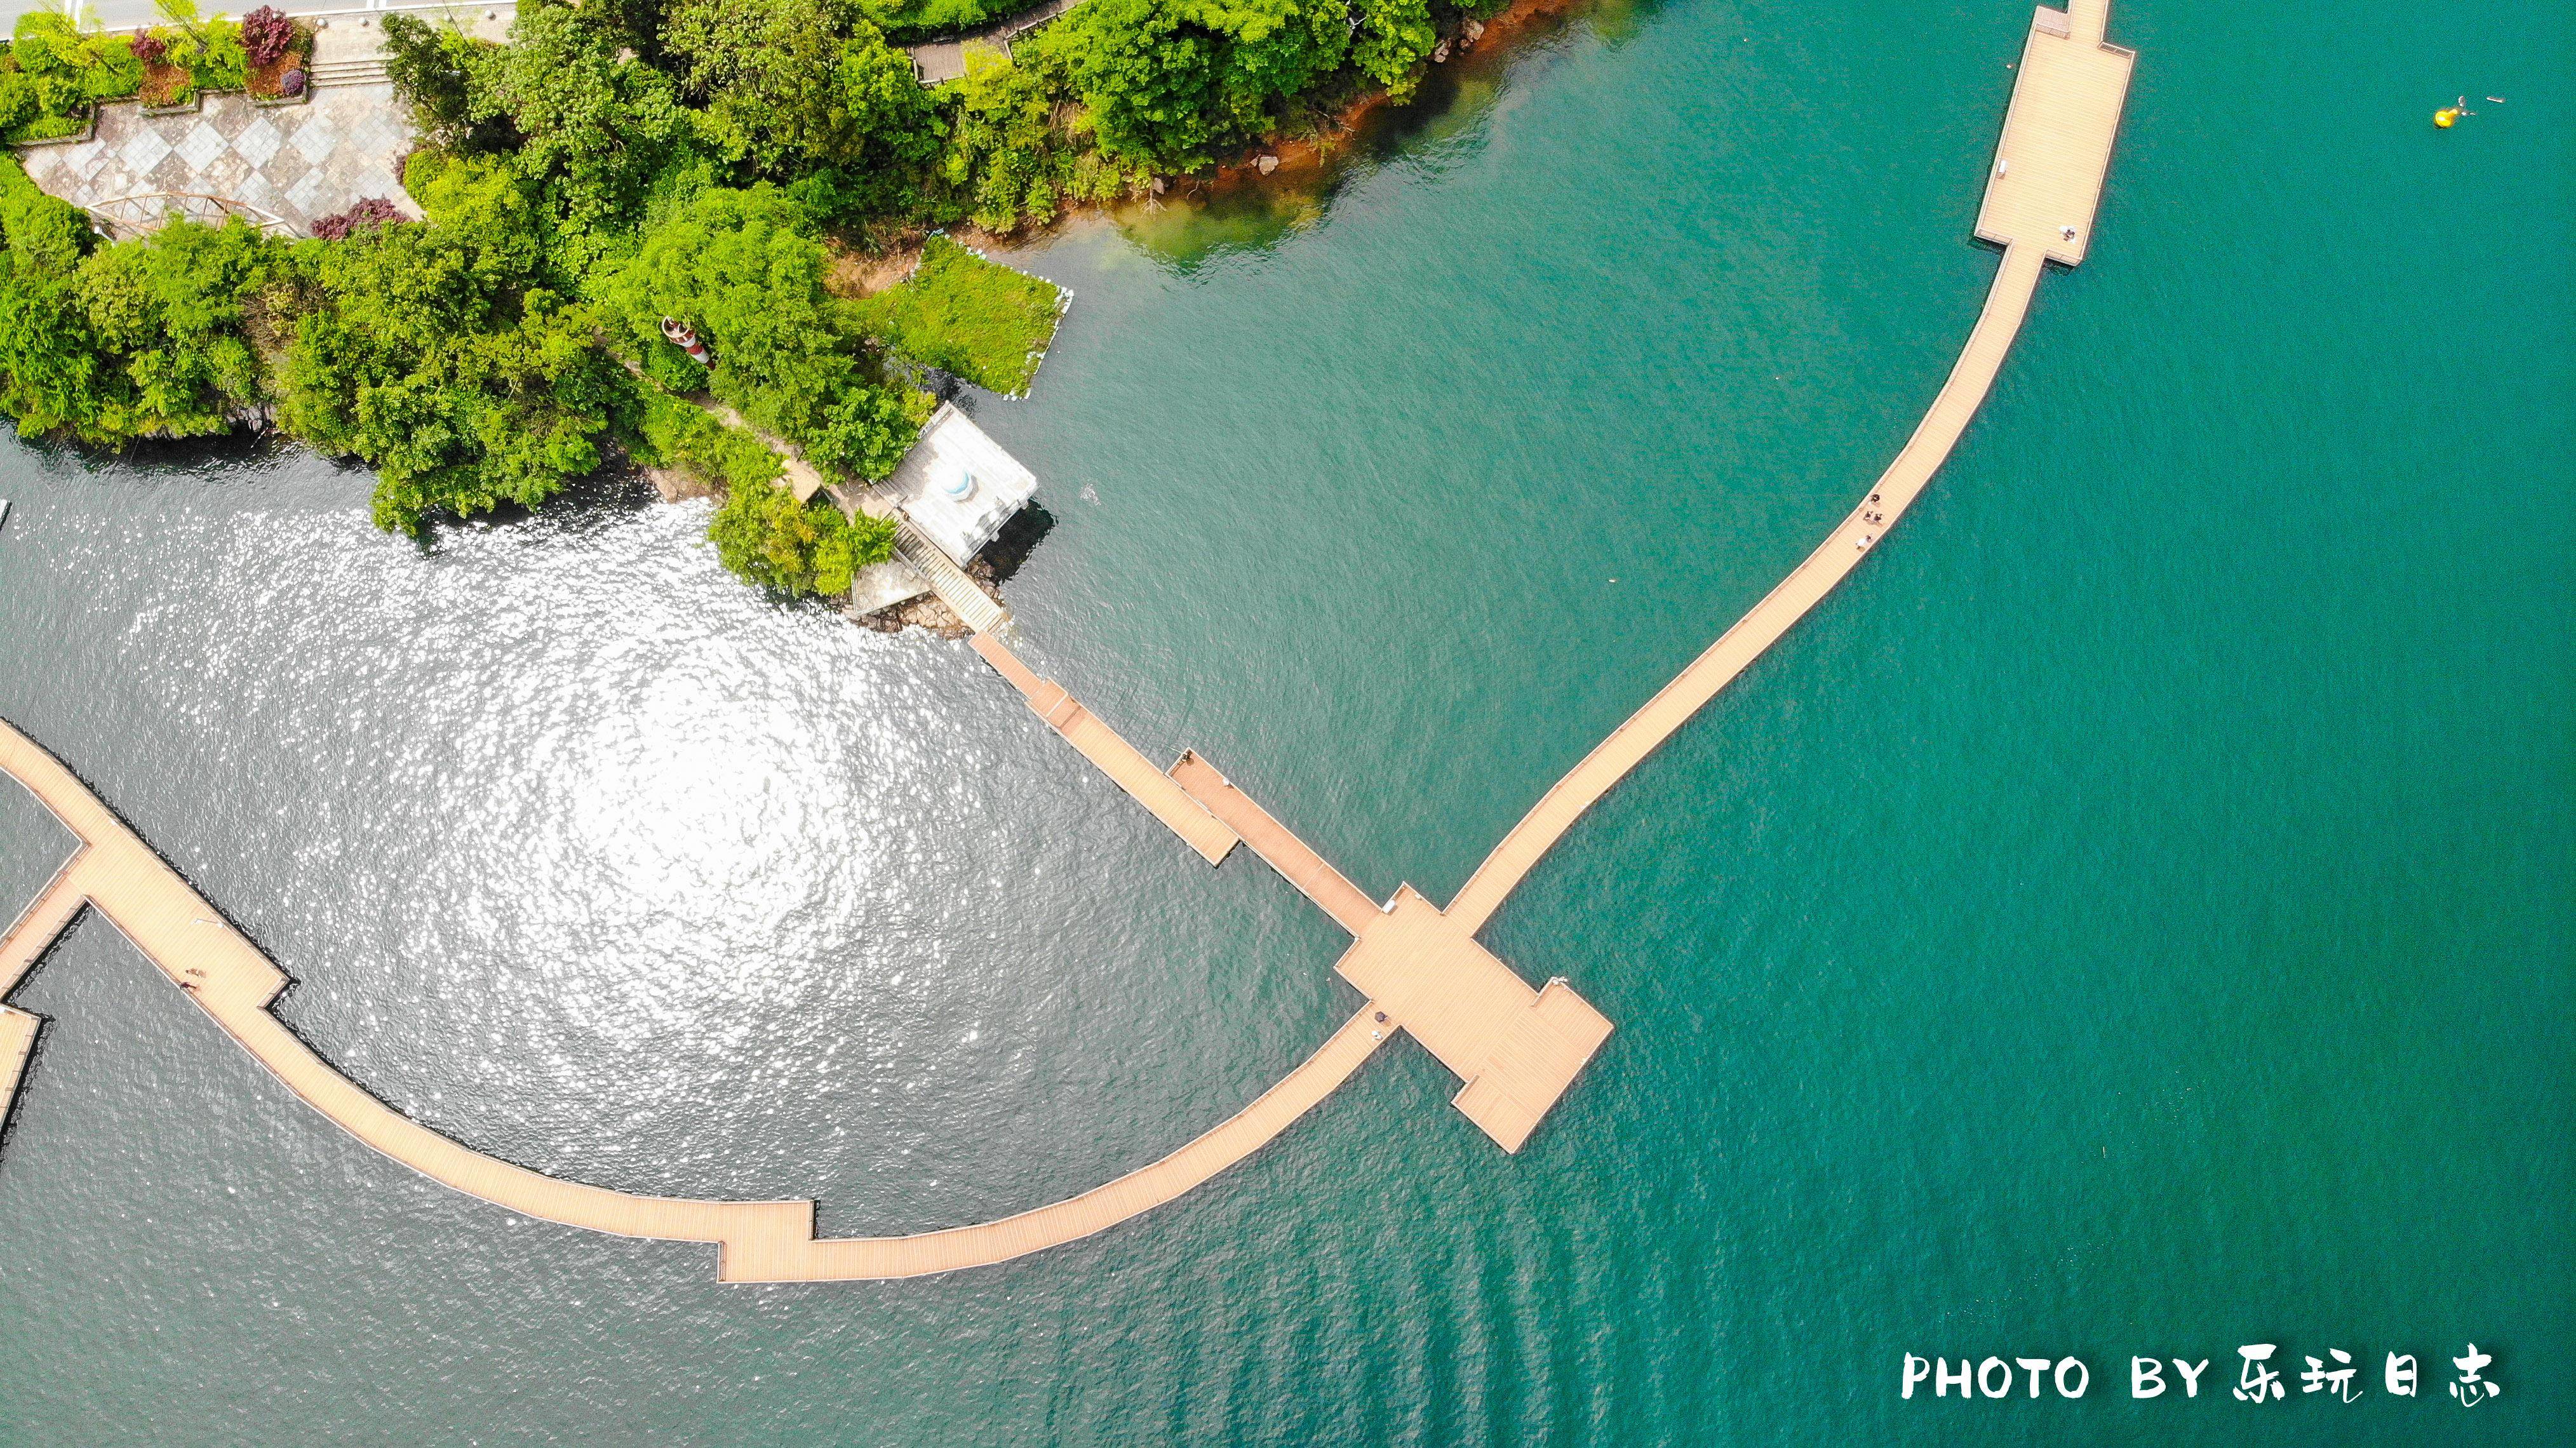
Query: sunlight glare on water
[[2130, 916]]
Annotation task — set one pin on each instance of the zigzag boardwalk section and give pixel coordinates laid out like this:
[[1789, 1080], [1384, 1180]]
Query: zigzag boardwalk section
[[1125, 765], [1515, 1049]]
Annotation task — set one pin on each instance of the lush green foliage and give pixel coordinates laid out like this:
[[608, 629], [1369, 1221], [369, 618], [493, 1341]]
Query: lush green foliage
[[1171, 83], [49, 362], [51, 74], [867, 430], [792, 85], [595, 132], [622, 161], [209, 51], [682, 435], [172, 316], [764, 535], [439, 355], [1009, 163], [39, 230], [963, 314], [151, 339], [913, 19], [607, 101], [744, 269], [437, 69], [761, 532]]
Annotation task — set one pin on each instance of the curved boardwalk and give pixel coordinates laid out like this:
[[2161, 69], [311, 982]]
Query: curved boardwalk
[[1806, 585], [116, 874], [2040, 197], [1515, 1048]]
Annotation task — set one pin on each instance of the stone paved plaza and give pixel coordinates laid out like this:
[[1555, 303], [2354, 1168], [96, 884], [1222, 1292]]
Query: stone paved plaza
[[296, 163]]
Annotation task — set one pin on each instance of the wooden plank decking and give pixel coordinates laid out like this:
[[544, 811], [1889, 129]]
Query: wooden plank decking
[[1515, 1048], [1350, 907], [118, 875], [1114, 756], [2065, 107], [2055, 150]]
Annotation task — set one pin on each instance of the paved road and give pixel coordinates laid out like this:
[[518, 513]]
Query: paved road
[[127, 14], [937, 61]]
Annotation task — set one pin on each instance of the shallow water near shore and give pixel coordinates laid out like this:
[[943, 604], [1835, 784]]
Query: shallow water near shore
[[2134, 916]]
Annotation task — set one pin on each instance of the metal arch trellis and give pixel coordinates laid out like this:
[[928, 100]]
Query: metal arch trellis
[[123, 217]]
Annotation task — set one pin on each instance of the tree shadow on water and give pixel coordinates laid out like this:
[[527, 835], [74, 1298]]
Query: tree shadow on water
[[1209, 219], [586, 506]]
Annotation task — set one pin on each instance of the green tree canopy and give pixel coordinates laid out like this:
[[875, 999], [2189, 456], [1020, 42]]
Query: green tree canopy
[[764, 535], [789, 85], [1168, 83], [742, 268], [1007, 161], [442, 72], [597, 130], [438, 356], [867, 430], [171, 310], [51, 369]]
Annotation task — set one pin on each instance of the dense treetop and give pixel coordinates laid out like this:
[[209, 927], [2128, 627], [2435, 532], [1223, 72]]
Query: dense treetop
[[623, 162]]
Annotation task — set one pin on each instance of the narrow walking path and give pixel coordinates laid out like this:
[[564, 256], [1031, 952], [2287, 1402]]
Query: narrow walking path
[[938, 62], [1295, 861], [116, 874], [1807, 584], [1123, 762], [1516, 1049], [973, 606], [2040, 197]]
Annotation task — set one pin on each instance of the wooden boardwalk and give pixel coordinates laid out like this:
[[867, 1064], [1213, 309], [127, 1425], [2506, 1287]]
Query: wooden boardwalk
[[2040, 196], [1121, 761], [114, 873], [1515, 1048]]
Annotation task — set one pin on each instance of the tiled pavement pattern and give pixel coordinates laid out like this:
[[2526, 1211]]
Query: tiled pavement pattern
[[299, 163], [295, 162]]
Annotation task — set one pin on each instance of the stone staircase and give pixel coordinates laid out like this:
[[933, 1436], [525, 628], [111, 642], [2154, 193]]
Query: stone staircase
[[965, 598], [353, 70], [972, 605]]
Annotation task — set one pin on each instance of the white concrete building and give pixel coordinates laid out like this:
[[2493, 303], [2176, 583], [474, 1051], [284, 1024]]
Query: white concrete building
[[957, 485]]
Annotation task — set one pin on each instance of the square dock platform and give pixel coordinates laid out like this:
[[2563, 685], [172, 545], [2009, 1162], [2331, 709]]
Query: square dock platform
[[1516, 1048]]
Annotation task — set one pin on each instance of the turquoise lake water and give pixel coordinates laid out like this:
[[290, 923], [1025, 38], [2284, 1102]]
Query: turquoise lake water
[[2135, 915]]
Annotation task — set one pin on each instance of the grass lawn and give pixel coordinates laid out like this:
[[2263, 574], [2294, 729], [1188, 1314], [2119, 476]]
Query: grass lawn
[[963, 314]]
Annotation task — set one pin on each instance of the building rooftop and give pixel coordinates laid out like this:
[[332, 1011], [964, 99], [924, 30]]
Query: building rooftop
[[957, 485]]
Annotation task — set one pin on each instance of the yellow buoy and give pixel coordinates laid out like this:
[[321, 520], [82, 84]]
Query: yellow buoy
[[2445, 116]]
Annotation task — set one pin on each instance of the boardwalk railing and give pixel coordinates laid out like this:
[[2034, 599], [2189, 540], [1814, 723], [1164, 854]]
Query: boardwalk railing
[[126, 217]]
